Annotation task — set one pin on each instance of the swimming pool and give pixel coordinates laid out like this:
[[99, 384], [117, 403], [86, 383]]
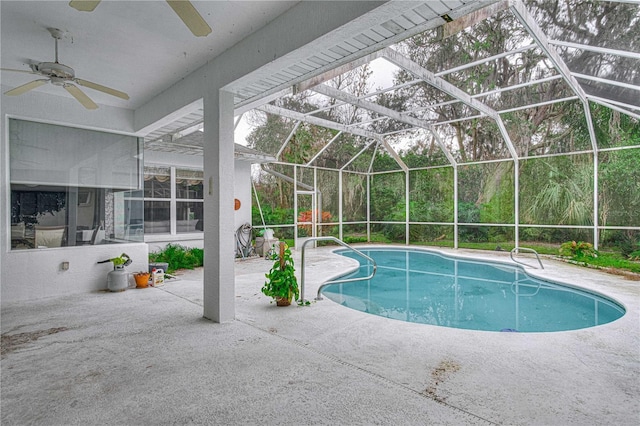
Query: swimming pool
[[426, 287]]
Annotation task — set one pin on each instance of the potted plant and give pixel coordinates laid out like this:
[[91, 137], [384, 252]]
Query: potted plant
[[281, 283]]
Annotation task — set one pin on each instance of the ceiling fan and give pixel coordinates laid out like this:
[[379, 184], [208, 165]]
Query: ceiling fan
[[61, 75], [185, 10]]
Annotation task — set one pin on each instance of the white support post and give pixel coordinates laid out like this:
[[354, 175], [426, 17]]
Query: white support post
[[295, 206], [368, 175], [406, 208], [455, 206], [516, 201], [340, 200], [316, 206], [596, 231], [219, 279], [594, 146], [173, 212]]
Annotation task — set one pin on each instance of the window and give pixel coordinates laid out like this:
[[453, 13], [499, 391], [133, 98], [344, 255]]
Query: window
[[73, 186], [173, 200]]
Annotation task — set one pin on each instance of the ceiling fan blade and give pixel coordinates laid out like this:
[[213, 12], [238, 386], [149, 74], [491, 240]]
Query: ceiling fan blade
[[84, 5], [190, 17], [80, 96], [25, 87], [23, 71], [101, 88]]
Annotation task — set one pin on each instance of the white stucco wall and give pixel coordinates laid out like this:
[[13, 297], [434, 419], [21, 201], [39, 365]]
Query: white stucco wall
[[36, 274]]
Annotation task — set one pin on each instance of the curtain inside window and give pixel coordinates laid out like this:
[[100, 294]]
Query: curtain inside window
[[47, 154]]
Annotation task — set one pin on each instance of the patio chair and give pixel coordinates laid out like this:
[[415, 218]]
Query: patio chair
[[97, 236]]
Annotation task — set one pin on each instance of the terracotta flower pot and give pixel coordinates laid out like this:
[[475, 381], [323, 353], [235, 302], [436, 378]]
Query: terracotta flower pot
[[142, 279], [282, 301]]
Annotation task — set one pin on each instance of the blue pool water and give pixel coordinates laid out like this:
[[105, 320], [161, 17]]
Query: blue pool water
[[430, 288]]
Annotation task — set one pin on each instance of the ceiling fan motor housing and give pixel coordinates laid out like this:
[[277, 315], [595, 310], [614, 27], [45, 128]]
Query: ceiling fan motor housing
[[54, 69]]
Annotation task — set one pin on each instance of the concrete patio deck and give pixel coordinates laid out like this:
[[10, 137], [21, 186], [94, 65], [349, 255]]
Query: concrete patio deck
[[148, 357]]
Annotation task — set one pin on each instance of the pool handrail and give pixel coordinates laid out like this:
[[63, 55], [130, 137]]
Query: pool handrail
[[346, 280], [530, 250]]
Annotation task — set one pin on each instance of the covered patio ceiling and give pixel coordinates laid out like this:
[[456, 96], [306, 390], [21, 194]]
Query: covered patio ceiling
[[596, 68]]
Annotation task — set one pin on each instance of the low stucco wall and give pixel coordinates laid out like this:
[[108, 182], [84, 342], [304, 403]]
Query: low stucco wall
[[38, 274]]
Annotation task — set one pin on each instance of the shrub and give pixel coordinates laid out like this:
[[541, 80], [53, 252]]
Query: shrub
[[307, 216], [178, 257], [578, 250]]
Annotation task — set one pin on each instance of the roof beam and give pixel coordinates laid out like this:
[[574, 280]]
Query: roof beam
[[286, 141], [333, 139], [328, 75], [398, 116], [606, 81], [185, 131], [520, 11], [393, 154], [553, 101], [249, 104], [607, 51], [606, 103], [271, 109], [611, 101], [332, 125], [517, 86], [471, 19], [440, 84], [485, 60], [443, 85], [368, 95], [366, 147]]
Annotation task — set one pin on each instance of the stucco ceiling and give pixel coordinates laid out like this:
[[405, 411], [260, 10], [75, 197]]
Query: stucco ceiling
[[139, 47]]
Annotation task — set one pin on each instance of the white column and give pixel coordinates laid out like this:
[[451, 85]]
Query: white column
[[219, 279], [173, 212]]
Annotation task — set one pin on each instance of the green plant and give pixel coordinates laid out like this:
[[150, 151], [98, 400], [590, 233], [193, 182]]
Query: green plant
[[178, 257], [578, 250], [281, 280]]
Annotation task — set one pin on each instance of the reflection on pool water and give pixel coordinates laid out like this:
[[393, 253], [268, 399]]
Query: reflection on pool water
[[426, 287]]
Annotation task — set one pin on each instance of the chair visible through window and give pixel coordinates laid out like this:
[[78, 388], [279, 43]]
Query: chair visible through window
[[49, 236], [97, 236], [17, 231]]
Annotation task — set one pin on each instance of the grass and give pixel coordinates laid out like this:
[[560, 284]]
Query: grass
[[178, 257], [610, 260]]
